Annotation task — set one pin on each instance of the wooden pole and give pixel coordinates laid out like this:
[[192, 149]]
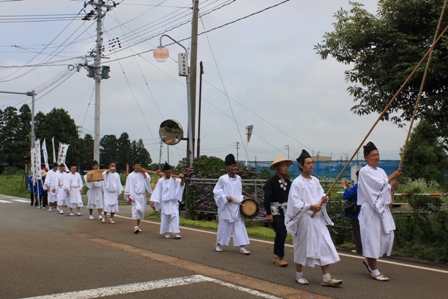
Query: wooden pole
[[387, 108]]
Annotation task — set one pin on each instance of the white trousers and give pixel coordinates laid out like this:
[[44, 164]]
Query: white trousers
[[237, 229], [169, 224]]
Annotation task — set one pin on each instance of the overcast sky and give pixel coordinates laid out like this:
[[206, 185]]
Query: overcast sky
[[260, 71]]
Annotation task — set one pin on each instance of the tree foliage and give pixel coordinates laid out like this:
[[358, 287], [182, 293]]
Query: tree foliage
[[425, 157], [15, 142], [383, 49]]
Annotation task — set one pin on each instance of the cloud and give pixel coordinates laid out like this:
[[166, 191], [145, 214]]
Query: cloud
[[262, 71]]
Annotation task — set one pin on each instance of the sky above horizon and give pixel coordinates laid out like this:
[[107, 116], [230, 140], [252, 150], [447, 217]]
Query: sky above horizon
[[261, 71]]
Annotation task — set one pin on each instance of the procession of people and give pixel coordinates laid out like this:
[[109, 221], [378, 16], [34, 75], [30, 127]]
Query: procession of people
[[297, 207]]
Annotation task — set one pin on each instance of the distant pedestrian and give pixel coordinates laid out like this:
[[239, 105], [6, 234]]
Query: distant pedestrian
[[112, 191], [61, 194], [94, 194], [228, 197], [137, 185], [351, 211], [73, 188], [38, 190], [166, 198], [31, 188], [51, 186]]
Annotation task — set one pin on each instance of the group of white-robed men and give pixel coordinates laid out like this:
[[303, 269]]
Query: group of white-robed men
[[305, 216], [65, 189]]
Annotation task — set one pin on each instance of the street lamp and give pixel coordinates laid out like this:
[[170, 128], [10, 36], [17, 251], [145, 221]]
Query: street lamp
[[287, 147], [161, 54]]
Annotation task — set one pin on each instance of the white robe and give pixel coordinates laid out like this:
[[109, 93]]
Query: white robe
[[61, 194], [166, 197], [137, 185], [311, 238], [74, 183], [375, 219], [51, 181], [230, 220], [94, 194], [112, 190]]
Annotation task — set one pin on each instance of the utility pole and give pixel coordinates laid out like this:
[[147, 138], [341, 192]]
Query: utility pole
[[237, 148], [96, 71], [193, 67]]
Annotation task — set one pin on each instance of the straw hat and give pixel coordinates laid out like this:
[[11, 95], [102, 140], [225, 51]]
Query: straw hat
[[44, 173], [279, 160]]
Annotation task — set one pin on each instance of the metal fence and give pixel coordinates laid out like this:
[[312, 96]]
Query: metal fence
[[199, 195]]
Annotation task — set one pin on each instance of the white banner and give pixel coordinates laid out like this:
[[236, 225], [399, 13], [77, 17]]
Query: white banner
[[45, 154], [62, 153], [37, 161], [54, 155]]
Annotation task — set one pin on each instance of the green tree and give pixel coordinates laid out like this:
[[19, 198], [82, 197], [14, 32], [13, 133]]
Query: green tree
[[87, 157], [425, 156], [109, 149], [15, 135], [124, 151], [140, 153], [383, 49]]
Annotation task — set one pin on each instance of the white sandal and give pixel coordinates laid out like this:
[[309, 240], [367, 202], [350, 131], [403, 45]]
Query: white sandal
[[300, 279]]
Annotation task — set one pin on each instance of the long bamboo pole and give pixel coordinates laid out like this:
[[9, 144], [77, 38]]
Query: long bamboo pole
[[387, 109]]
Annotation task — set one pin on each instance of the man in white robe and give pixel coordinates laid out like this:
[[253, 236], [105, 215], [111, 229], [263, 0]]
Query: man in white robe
[[228, 197], [375, 219], [307, 219], [166, 198], [94, 194], [112, 191], [51, 186], [61, 194], [137, 185], [73, 187]]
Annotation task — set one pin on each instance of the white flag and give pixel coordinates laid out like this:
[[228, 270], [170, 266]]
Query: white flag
[[37, 161], [54, 155], [62, 153], [45, 154]]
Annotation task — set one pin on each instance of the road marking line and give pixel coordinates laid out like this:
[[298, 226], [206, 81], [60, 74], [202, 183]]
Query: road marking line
[[5, 201], [243, 289], [291, 246], [21, 200], [147, 286], [237, 279], [126, 288]]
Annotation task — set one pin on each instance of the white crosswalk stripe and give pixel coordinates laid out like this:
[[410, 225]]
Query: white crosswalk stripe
[[150, 285]]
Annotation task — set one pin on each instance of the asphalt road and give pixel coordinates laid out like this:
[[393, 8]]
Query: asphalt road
[[46, 255]]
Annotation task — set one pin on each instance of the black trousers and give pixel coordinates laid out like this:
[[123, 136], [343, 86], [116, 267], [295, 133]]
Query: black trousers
[[357, 234], [280, 235], [32, 198], [44, 199]]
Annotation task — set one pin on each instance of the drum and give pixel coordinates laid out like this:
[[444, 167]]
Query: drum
[[95, 175], [249, 208]]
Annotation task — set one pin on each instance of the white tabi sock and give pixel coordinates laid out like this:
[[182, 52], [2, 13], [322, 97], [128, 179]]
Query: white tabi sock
[[326, 277], [299, 273], [375, 272]]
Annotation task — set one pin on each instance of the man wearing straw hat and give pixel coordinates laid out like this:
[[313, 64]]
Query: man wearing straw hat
[[276, 190], [312, 241]]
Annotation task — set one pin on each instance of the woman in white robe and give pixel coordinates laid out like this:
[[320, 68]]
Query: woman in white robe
[[228, 195], [375, 219]]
